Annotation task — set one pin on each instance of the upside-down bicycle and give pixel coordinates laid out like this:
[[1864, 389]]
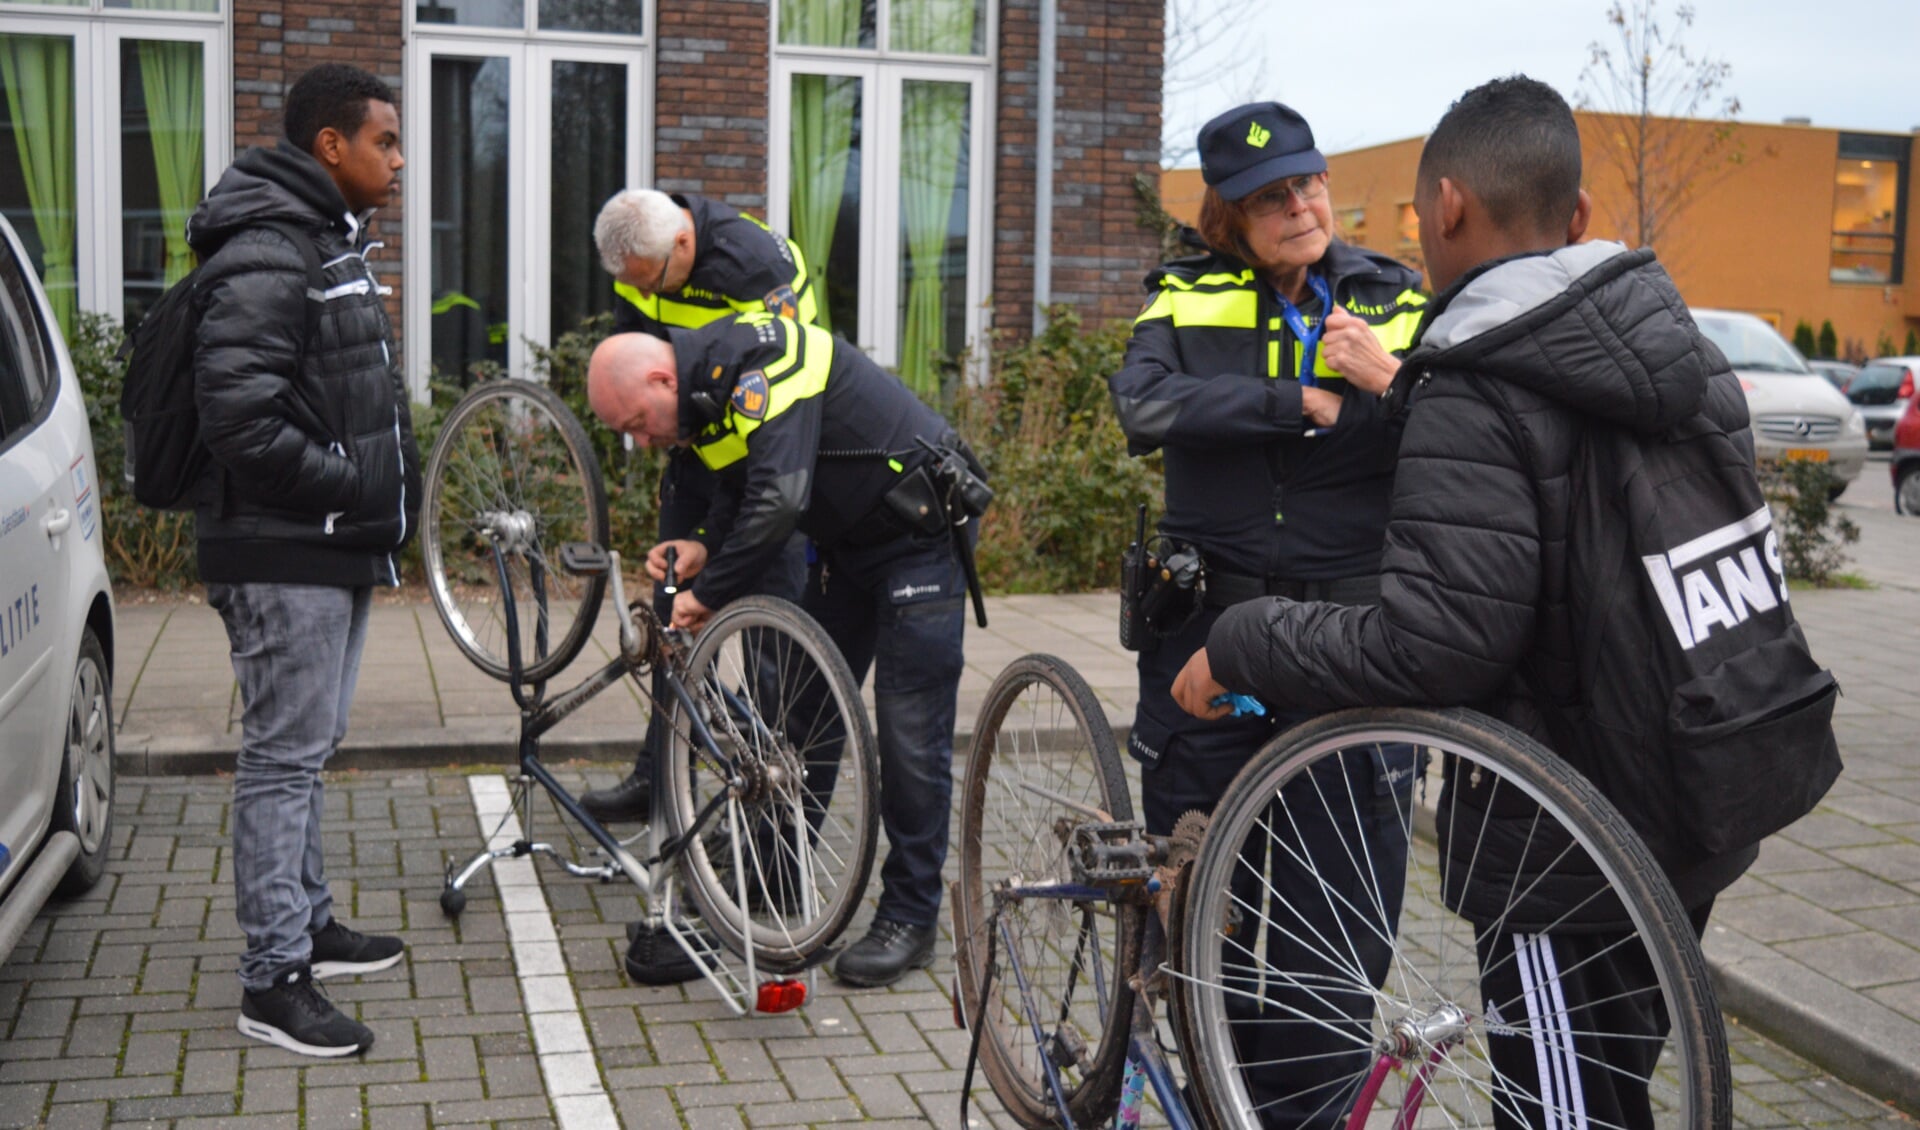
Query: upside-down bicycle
[[765, 799], [1072, 925]]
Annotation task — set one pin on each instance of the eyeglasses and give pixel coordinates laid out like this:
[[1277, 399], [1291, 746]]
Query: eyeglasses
[[660, 283], [1275, 197]]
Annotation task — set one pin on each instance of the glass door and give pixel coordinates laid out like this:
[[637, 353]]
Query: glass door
[[44, 127], [828, 111], [522, 144], [882, 183], [585, 117], [122, 108], [160, 88]]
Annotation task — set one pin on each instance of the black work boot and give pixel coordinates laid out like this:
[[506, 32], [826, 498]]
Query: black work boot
[[631, 799], [654, 958], [885, 955]]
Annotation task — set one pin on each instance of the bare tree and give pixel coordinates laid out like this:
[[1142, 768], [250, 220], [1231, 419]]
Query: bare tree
[[1201, 58], [1670, 134]]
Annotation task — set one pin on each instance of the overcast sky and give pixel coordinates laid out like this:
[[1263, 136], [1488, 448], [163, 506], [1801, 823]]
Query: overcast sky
[[1379, 70]]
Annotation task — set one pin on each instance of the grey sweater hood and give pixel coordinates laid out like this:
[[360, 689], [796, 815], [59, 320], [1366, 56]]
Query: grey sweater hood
[[278, 185], [1594, 326]]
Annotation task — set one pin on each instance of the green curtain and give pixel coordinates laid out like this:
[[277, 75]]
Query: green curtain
[[932, 133], [37, 71], [942, 26], [174, 77], [820, 23], [823, 110]]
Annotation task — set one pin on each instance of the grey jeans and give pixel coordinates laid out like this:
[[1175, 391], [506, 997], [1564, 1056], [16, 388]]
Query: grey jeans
[[296, 654]]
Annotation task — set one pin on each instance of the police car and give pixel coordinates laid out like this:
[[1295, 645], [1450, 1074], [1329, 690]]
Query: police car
[[56, 616]]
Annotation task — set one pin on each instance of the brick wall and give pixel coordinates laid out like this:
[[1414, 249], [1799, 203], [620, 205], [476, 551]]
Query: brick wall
[[277, 41], [1107, 131], [710, 113]]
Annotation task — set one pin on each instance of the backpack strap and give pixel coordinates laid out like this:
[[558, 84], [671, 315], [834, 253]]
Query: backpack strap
[[316, 274]]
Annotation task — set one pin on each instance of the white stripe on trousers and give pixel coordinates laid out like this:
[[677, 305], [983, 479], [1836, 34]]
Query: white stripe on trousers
[[1563, 1104]]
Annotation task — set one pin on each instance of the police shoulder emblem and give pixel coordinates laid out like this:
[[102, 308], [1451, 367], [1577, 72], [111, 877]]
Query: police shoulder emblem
[[782, 301], [750, 395]]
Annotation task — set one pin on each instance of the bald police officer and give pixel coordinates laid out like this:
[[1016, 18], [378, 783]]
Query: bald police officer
[[782, 413]]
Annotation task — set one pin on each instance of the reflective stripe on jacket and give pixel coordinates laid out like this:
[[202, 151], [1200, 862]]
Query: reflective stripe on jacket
[[803, 430], [1209, 379]]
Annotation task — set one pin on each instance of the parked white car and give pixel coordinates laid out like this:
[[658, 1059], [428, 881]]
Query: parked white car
[[1797, 414], [56, 616]]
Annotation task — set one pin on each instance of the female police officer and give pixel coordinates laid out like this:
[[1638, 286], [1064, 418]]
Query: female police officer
[[1256, 369]]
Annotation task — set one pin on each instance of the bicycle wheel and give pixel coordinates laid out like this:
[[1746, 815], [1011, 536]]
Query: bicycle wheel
[[512, 465], [789, 799], [1043, 762], [1501, 950]]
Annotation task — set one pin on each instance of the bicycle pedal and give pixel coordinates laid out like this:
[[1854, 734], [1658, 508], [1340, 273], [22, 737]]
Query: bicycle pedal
[[1106, 854]]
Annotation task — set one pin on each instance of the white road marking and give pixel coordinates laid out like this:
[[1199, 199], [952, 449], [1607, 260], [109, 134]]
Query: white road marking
[[565, 1051]]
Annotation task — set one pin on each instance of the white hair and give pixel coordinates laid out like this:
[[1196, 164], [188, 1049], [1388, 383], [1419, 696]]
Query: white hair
[[639, 223]]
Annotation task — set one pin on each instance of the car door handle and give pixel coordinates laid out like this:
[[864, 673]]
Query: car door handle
[[57, 523]]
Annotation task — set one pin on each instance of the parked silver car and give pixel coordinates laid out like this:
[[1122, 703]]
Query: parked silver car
[[1881, 392], [56, 616], [1796, 413], [1839, 374]]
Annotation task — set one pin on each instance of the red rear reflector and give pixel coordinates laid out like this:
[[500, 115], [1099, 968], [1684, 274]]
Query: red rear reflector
[[1906, 386], [781, 996]]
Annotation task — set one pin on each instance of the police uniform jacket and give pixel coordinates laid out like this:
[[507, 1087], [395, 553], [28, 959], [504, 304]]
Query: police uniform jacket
[[803, 430], [739, 264], [1210, 378]]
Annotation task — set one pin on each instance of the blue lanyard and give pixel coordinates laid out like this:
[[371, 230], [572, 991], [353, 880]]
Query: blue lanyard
[[1307, 335]]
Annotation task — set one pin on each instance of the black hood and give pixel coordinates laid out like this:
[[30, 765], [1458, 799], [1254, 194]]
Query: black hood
[[1593, 326], [280, 185]]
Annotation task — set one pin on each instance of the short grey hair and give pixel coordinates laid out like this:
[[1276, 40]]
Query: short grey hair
[[639, 223]]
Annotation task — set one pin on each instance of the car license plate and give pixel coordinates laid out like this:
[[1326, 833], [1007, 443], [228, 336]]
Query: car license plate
[[1810, 454]]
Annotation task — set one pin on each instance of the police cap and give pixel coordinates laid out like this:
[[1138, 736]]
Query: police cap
[[1254, 145]]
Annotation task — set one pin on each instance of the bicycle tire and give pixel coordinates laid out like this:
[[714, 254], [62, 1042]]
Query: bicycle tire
[[513, 462], [1592, 874], [779, 698], [1008, 830]]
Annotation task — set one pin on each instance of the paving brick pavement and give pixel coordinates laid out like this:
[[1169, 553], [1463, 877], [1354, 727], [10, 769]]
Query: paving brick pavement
[[117, 1008]]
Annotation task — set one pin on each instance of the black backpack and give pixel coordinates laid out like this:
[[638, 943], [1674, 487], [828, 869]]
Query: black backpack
[[1699, 705], [164, 455]]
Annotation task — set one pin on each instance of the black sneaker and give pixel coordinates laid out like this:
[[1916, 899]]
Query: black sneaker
[[294, 1014], [338, 948]]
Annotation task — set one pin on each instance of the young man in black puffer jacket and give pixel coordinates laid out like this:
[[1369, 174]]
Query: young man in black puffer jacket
[[313, 488], [1534, 341]]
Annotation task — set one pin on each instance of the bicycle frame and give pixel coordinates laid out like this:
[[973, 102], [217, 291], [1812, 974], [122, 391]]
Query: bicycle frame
[[654, 877], [1147, 1064]]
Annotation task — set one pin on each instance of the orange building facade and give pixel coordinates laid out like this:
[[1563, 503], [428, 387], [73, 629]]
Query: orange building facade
[[1803, 224]]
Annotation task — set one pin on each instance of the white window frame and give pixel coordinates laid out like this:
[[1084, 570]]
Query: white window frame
[[530, 55], [97, 34], [883, 73]]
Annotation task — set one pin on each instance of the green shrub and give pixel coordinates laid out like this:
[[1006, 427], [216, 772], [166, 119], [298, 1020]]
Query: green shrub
[[1803, 338], [632, 477], [1065, 489], [1913, 343], [1813, 539], [1829, 341]]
